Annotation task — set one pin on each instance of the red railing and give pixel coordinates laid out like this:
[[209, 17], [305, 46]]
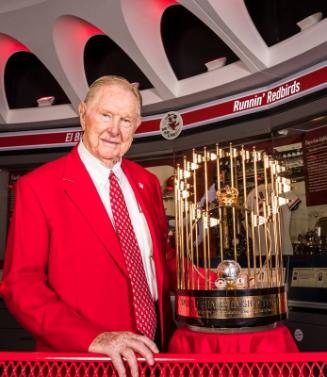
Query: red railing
[[34, 364]]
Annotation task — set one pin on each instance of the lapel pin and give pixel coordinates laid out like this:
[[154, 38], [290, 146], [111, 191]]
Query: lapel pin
[[141, 185]]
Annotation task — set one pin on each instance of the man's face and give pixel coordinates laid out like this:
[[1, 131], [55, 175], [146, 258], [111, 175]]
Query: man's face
[[109, 121]]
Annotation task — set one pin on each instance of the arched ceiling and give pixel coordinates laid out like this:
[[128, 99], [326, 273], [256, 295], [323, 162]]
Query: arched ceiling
[[168, 42]]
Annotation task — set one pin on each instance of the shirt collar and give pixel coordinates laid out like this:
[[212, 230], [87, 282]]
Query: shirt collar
[[98, 172]]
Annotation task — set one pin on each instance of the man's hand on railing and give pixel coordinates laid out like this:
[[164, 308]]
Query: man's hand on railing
[[119, 345]]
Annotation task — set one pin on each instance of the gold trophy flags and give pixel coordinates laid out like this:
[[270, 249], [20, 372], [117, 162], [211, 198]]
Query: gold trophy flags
[[229, 258]]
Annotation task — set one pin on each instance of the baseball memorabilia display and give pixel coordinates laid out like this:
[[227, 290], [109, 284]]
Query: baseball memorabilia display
[[226, 280]]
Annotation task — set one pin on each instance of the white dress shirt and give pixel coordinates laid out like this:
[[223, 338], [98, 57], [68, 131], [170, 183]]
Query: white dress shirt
[[99, 174]]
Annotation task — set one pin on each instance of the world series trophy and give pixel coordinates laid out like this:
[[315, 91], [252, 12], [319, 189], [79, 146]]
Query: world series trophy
[[229, 258]]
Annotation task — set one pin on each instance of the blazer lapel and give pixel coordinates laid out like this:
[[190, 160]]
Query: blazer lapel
[[81, 190]]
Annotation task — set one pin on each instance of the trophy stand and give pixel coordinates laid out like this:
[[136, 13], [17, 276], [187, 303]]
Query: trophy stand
[[233, 278]]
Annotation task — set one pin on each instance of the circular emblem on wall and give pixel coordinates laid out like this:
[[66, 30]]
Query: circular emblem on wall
[[171, 125]]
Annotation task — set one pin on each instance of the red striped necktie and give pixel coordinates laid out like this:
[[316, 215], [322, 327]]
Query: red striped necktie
[[144, 309]]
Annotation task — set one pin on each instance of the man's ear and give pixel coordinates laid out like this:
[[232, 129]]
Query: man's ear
[[138, 122], [82, 113]]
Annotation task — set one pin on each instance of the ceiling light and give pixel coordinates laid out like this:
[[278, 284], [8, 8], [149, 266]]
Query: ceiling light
[[309, 21], [216, 63], [45, 101], [283, 132], [318, 118]]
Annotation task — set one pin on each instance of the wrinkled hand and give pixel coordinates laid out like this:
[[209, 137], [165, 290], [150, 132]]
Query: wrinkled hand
[[125, 344]]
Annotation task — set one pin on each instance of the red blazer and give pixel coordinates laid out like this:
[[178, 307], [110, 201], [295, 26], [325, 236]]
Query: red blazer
[[65, 277]]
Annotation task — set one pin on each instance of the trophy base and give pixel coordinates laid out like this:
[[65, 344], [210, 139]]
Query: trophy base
[[231, 330], [231, 309]]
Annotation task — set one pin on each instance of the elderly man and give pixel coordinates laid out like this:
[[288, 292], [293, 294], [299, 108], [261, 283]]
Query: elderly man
[[85, 265]]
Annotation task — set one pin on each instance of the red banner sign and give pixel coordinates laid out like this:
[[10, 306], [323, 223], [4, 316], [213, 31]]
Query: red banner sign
[[306, 82]]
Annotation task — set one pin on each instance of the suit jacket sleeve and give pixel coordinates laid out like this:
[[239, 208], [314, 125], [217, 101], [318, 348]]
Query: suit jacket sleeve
[[25, 288]]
